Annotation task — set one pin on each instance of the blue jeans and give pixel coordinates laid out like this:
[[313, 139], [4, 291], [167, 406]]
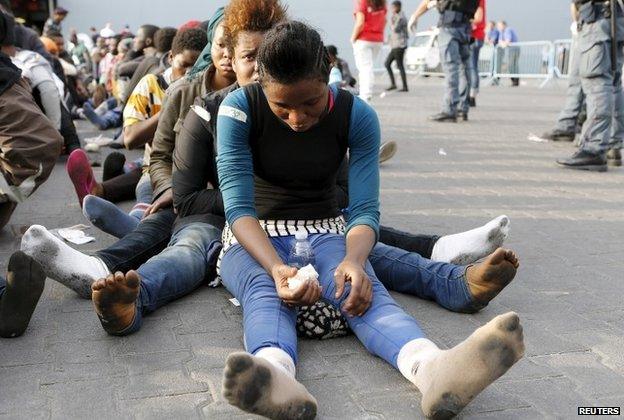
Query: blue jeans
[[149, 238], [186, 263], [407, 272], [268, 322], [110, 119], [475, 49], [143, 190]]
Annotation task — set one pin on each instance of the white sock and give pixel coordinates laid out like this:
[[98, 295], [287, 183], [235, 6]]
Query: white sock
[[63, 263], [278, 358], [412, 355], [468, 247]]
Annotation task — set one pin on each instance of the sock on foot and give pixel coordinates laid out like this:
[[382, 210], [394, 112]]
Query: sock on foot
[[449, 379], [266, 386], [468, 247], [113, 165], [61, 262], [24, 285], [107, 217], [81, 174]]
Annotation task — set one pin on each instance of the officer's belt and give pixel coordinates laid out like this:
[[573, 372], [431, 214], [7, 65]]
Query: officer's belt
[[591, 12]]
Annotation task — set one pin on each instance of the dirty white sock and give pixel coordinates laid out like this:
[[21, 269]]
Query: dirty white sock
[[61, 262], [449, 379], [278, 358], [468, 247], [265, 384]]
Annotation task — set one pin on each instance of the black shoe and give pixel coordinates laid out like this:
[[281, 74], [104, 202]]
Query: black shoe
[[393, 87], [472, 102], [462, 115], [585, 161], [443, 117], [404, 90], [614, 157], [559, 135]]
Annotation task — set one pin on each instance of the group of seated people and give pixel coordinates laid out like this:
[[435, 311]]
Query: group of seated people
[[247, 143]]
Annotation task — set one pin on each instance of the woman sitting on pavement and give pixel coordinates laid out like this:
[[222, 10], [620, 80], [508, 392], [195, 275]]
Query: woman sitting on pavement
[[280, 146]]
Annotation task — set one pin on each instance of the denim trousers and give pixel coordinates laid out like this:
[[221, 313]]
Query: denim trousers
[[268, 322], [475, 50], [186, 263], [149, 238], [407, 272]]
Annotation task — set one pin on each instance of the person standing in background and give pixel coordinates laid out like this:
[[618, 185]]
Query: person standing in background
[[507, 37], [53, 24], [478, 35], [398, 44], [367, 39], [491, 33]]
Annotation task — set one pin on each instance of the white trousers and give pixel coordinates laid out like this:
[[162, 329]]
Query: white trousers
[[365, 53]]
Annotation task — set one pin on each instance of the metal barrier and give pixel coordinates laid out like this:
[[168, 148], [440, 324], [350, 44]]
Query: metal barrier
[[539, 60], [563, 57], [526, 60]]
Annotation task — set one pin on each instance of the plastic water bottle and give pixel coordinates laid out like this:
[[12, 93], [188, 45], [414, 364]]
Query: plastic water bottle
[[301, 253]]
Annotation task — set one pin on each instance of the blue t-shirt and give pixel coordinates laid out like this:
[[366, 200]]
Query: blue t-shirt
[[509, 35], [236, 169]]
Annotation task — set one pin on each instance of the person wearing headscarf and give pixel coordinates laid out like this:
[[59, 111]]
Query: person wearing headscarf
[[212, 72]]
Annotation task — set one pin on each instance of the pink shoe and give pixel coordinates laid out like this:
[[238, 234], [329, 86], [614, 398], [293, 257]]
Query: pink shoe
[[80, 173]]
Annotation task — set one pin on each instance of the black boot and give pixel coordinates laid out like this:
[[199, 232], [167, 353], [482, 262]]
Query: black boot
[[585, 161], [472, 101], [559, 135], [614, 157], [443, 117], [462, 115]]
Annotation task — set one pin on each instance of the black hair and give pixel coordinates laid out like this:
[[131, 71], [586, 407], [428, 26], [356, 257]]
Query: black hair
[[190, 39], [397, 3], [163, 39], [332, 50], [149, 30], [292, 51], [53, 34], [7, 29], [377, 4]]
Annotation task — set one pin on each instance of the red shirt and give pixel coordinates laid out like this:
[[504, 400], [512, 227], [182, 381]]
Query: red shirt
[[374, 22], [478, 29]]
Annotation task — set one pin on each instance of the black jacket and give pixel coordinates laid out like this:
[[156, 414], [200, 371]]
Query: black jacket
[[9, 73], [194, 166]]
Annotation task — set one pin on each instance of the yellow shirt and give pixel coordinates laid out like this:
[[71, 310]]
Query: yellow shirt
[[145, 102]]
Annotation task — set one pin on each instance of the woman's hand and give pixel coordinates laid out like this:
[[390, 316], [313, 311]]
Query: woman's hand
[[307, 294], [361, 294]]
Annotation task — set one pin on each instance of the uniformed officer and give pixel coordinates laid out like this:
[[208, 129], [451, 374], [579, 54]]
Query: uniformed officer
[[604, 129], [454, 43]]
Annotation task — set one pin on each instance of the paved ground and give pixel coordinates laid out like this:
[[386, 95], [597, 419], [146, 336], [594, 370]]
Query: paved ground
[[566, 226]]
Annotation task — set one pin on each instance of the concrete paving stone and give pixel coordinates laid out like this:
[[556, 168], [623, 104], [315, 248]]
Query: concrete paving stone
[[184, 406], [336, 406], [155, 336], [157, 374], [592, 378], [93, 398], [19, 387]]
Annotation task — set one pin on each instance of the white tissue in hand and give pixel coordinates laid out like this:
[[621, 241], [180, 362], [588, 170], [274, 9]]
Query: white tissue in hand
[[305, 274]]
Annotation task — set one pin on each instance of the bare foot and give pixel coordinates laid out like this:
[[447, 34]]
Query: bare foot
[[255, 385], [489, 278], [115, 300], [452, 378]]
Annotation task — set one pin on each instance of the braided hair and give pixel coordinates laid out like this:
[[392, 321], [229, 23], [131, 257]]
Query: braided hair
[[292, 51]]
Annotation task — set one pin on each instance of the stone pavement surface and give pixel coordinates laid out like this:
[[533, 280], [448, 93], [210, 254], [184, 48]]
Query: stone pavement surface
[[566, 226]]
